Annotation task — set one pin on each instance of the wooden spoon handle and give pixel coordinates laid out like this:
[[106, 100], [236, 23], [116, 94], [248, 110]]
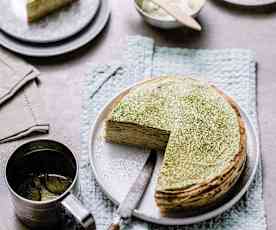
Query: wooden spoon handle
[[180, 15], [114, 227]]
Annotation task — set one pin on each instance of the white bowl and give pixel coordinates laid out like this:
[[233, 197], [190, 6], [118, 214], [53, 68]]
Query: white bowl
[[163, 23]]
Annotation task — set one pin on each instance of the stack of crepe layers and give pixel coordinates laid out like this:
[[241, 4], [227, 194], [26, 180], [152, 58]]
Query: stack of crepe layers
[[206, 193], [146, 116]]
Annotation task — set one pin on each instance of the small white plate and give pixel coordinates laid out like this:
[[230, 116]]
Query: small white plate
[[251, 3], [54, 27], [116, 167]]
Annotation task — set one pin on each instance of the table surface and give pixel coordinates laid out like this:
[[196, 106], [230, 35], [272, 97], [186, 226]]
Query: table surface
[[224, 27]]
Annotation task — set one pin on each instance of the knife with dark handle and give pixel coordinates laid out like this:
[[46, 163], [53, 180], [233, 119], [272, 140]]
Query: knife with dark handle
[[114, 227], [134, 195]]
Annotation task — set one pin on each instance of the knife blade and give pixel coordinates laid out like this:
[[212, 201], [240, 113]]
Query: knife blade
[[135, 193]]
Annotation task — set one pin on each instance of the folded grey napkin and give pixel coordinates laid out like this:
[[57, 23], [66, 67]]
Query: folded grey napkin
[[21, 106]]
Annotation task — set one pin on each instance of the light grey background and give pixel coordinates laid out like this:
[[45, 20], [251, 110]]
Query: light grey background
[[224, 27]]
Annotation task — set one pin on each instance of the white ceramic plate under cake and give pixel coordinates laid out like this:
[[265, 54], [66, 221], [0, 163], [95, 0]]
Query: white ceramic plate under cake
[[54, 27], [116, 167]]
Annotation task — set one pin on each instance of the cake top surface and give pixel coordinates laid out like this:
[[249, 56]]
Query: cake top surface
[[204, 128]]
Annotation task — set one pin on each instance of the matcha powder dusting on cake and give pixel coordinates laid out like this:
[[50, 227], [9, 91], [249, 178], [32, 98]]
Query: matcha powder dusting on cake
[[203, 126]]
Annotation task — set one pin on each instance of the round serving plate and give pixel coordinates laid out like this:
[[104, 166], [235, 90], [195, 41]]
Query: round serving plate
[[116, 167], [251, 3], [57, 26], [62, 47]]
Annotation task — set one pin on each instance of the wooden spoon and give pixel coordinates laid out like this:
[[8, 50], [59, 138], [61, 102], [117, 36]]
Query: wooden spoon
[[171, 7]]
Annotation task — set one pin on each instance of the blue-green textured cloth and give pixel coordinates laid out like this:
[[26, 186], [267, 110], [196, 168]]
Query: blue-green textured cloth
[[232, 70]]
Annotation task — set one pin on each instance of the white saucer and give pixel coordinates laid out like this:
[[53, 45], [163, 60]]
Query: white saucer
[[251, 3]]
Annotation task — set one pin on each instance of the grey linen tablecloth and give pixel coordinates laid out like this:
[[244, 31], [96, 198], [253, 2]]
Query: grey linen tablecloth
[[21, 106], [232, 70]]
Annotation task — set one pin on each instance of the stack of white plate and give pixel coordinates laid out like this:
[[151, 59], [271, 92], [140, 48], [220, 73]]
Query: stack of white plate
[[56, 34]]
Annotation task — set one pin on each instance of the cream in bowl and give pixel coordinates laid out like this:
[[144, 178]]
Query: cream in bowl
[[158, 17]]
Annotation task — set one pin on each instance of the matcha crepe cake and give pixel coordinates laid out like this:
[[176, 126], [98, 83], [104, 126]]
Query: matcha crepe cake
[[198, 128]]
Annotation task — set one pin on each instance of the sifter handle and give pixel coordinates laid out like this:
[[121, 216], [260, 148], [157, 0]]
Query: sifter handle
[[81, 214]]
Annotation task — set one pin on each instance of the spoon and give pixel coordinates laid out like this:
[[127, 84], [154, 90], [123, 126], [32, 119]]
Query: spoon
[[171, 7]]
